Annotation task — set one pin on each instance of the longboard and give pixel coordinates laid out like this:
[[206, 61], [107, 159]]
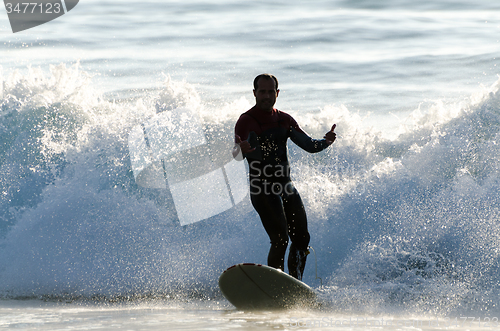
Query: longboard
[[250, 286]]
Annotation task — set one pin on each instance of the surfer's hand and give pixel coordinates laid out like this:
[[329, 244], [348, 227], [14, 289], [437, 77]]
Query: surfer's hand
[[243, 145], [330, 136]]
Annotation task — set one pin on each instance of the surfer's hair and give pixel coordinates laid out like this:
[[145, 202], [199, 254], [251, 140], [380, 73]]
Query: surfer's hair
[[266, 76]]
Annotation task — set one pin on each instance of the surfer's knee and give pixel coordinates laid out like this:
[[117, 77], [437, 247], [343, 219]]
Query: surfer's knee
[[280, 243]]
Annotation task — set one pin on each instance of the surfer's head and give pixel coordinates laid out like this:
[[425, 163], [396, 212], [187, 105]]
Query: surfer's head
[[265, 91], [265, 76]]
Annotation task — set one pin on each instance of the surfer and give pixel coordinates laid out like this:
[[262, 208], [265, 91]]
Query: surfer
[[261, 136]]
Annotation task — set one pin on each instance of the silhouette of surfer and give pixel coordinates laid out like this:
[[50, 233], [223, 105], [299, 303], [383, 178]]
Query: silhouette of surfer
[[261, 135]]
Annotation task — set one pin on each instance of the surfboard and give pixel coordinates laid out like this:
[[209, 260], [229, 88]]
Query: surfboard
[[250, 286]]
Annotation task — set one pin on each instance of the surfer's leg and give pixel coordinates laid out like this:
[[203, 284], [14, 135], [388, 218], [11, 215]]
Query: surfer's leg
[[270, 209], [297, 261], [297, 230]]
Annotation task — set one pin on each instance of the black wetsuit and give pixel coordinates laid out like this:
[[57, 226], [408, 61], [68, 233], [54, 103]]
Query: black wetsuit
[[272, 193]]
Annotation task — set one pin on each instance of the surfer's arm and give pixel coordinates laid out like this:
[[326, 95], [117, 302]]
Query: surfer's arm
[[241, 136], [304, 141]]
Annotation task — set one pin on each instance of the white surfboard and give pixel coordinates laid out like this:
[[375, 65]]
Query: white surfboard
[[251, 286]]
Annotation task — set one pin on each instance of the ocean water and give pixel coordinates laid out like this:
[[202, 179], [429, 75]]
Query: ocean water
[[403, 208]]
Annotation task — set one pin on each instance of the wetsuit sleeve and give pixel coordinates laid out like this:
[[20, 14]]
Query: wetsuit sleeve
[[245, 129], [241, 128], [301, 139], [245, 125]]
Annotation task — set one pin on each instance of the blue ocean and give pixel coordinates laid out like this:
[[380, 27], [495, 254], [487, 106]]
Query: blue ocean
[[403, 208]]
